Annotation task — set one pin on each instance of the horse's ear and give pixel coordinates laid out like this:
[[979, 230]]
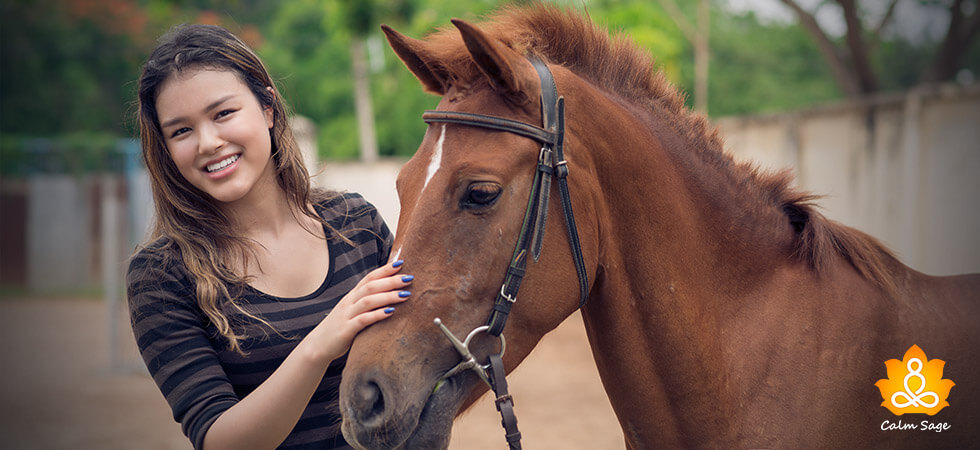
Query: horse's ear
[[508, 71], [411, 52]]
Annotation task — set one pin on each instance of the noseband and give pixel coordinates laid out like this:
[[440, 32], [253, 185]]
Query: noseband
[[551, 163]]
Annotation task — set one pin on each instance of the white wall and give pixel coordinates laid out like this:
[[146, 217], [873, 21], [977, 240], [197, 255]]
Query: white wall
[[59, 231], [903, 168]]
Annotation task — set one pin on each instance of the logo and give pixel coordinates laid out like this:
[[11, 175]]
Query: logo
[[915, 384]]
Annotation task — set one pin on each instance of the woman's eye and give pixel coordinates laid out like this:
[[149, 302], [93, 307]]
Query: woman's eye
[[480, 195], [179, 132], [224, 113]]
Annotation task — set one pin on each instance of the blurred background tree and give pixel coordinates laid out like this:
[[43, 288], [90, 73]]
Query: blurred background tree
[[853, 60], [69, 67]]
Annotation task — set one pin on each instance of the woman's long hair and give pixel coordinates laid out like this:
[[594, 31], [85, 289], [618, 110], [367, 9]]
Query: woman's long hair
[[204, 236]]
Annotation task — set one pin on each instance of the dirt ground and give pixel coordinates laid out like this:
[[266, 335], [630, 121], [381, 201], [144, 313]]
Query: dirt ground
[[60, 390]]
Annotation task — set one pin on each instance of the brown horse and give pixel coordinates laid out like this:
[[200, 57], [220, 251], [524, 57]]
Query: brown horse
[[723, 310]]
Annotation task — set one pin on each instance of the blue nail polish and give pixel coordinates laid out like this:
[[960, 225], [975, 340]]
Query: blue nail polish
[[397, 263], [408, 278], [404, 294], [389, 310]]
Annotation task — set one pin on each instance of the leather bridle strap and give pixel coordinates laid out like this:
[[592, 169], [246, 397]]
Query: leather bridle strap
[[504, 402], [491, 122], [551, 163]]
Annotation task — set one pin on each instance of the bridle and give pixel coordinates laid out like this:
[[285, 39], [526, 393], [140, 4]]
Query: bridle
[[551, 163]]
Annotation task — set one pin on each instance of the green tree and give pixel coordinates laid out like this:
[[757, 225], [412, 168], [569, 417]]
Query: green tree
[[67, 68], [70, 67], [308, 47], [757, 68]]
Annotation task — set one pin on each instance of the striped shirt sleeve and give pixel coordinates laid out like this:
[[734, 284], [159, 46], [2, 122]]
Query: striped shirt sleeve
[[352, 214], [170, 333]]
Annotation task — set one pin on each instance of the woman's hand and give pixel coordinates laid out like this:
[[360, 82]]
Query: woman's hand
[[273, 409], [371, 300]]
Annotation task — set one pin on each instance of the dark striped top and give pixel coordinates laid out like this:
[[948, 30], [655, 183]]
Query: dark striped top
[[190, 361]]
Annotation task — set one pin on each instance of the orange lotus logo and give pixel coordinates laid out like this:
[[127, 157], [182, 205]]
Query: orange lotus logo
[[915, 384]]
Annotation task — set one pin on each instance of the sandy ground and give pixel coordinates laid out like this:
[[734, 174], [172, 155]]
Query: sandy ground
[[60, 389]]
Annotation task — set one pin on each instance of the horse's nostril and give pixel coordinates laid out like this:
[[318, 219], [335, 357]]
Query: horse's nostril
[[378, 400], [370, 402], [372, 414]]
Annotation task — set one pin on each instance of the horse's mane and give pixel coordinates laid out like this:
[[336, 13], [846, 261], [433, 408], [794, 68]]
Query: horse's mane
[[617, 65]]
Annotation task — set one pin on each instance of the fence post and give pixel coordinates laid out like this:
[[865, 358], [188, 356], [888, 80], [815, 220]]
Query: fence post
[[111, 267], [910, 216]]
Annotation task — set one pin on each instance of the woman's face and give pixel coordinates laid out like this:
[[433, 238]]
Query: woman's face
[[217, 132]]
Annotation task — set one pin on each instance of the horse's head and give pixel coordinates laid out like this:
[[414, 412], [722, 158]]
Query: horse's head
[[463, 200]]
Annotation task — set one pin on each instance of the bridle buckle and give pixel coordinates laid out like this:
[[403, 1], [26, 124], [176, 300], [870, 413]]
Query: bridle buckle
[[544, 156], [509, 298]]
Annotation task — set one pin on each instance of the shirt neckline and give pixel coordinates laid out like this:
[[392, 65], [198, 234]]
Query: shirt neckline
[[327, 280]]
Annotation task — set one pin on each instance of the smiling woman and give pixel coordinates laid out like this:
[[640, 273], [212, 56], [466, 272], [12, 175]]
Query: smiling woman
[[217, 133], [253, 286]]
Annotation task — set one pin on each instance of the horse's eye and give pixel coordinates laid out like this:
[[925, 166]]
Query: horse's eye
[[480, 195]]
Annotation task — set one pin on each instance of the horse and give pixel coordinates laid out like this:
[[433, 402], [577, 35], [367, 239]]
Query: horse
[[722, 308]]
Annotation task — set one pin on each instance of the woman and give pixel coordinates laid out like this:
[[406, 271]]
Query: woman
[[253, 286]]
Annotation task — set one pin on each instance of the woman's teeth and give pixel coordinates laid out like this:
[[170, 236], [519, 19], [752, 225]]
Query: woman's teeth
[[222, 164]]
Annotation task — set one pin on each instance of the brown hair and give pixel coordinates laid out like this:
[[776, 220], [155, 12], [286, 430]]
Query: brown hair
[[202, 234]]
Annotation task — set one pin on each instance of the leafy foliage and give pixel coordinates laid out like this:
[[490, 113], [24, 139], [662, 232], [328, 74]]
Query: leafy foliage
[[70, 66], [762, 69]]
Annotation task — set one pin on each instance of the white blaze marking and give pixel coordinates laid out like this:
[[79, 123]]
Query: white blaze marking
[[434, 166], [436, 161]]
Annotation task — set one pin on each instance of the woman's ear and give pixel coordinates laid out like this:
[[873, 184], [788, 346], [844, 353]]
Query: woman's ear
[[267, 110]]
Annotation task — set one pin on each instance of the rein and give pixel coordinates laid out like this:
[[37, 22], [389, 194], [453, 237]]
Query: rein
[[551, 164]]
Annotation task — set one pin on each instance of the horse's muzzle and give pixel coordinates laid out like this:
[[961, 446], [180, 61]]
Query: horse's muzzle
[[380, 413]]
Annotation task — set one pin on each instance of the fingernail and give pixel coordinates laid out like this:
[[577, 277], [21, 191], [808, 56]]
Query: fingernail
[[397, 263], [408, 278], [404, 294], [389, 310]]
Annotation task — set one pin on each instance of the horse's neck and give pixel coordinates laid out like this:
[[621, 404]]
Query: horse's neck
[[701, 318], [677, 217], [678, 258], [654, 249]]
